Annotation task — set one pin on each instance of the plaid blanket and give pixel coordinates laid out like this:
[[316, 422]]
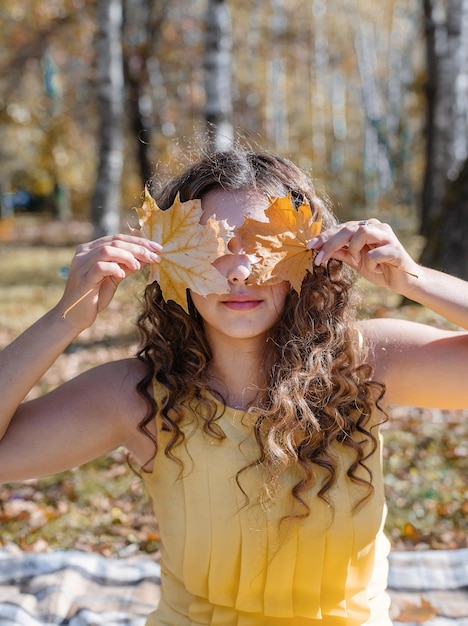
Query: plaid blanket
[[76, 589], [80, 589], [429, 587]]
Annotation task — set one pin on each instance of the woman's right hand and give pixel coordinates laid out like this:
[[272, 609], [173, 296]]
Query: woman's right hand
[[96, 271]]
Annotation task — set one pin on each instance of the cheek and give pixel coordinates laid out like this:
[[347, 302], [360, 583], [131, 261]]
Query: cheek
[[198, 301], [280, 293], [204, 304]]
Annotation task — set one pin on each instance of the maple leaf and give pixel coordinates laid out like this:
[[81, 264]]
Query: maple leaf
[[412, 613], [189, 248], [281, 243]]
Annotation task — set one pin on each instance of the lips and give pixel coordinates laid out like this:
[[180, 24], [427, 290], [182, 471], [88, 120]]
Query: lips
[[242, 302], [241, 298]]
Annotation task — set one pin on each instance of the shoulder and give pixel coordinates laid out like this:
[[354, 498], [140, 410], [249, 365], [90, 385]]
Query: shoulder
[[421, 365], [387, 336], [387, 340], [116, 377], [381, 332], [116, 386], [85, 417], [112, 389]]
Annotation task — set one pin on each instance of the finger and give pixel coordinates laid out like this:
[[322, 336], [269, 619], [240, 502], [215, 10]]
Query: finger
[[334, 243], [107, 269], [369, 233], [135, 244], [390, 257], [95, 266], [346, 241], [128, 256], [350, 227], [344, 255]]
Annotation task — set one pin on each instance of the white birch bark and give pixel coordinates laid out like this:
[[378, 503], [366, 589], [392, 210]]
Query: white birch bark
[[319, 82], [110, 88], [218, 75], [276, 104]]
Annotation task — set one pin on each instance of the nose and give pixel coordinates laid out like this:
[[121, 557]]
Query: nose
[[236, 267], [240, 270]]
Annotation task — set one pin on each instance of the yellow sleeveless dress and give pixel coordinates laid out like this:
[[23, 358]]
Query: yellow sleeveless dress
[[229, 562]]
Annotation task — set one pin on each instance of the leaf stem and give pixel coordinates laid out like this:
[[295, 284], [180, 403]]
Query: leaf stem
[[397, 267], [72, 306]]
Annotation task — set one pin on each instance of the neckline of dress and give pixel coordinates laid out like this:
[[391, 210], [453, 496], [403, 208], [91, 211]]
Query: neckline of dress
[[223, 405]]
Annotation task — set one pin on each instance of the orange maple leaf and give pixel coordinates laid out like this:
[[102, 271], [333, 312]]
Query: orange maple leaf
[[412, 613], [189, 249], [281, 243]]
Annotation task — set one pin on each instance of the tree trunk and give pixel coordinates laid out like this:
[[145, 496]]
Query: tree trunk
[[218, 71], [444, 208], [141, 126], [146, 18], [110, 89], [447, 249], [276, 108]]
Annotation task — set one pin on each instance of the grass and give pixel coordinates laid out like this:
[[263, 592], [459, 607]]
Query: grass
[[102, 507]]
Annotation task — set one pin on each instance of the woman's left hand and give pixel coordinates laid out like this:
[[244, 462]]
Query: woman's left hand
[[370, 247]]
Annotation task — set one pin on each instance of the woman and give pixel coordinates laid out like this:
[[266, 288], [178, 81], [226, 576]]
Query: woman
[[253, 416]]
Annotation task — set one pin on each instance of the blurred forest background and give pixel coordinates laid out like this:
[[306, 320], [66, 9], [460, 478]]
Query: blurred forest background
[[97, 97]]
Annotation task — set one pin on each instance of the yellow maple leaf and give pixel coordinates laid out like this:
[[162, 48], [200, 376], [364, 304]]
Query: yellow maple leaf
[[189, 249], [281, 243]]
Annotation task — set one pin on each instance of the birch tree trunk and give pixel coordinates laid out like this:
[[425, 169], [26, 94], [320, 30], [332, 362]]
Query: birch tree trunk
[[444, 200], [276, 104], [144, 20], [319, 81], [106, 199], [377, 167], [218, 75]]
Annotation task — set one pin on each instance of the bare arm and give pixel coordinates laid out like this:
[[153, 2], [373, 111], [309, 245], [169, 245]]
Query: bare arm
[[82, 419], [24, 361], [50, 423], [442, 293], [420, 365]]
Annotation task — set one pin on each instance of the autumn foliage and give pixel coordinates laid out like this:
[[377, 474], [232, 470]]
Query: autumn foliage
[[276, 246], [189, 248]]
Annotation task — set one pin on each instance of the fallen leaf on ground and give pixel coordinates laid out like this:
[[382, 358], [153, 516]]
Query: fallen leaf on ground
[[281, 243], [189, 249], [412, 613]]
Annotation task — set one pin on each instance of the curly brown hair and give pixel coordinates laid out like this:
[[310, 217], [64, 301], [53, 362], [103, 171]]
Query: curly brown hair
[[320, 390]]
